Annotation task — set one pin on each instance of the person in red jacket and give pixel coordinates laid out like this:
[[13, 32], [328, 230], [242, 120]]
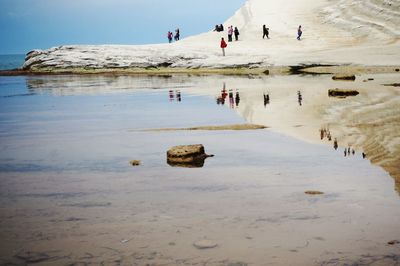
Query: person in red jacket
[[223, 46]]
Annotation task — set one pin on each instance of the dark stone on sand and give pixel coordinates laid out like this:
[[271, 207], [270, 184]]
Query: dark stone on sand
[[344, 77], [397, 70], [313, 192], [266, 72], [187, 156], [342, 93], [393, 242]]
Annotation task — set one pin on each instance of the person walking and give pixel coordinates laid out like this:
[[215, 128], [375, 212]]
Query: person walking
[[299, 32], [169, 36], [177, 34], [223, 46], [265, 32], [236, 31], [230, 32]]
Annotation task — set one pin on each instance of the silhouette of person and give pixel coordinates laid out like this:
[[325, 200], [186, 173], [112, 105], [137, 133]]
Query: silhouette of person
[[178, 96], [171, 95], [169, 36], [299, 32], [266, 99], [265, 32], [231, 100], [177, 34], [335, 144], [300, 97], [237, 99], [236, 31]]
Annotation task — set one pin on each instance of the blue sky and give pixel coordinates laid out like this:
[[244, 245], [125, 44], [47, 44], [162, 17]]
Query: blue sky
[[41, 24]]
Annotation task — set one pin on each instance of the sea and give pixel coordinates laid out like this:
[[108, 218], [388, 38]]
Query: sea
[[11, 61]]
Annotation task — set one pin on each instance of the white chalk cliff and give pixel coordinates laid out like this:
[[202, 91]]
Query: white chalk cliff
[[364, 32]]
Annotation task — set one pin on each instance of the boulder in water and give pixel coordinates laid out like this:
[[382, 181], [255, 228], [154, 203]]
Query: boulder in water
[[187, 155]]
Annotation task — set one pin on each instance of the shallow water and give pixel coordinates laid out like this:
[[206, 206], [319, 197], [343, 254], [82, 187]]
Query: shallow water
[[69, 196]]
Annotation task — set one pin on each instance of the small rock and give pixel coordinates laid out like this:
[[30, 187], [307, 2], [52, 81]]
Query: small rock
[[205, 243], [313, 192], [134, 162], [397, 70], [344, 77], [171, 243], [393, 242]]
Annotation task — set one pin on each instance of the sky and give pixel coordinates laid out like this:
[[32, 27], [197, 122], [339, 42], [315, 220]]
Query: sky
[[40, 24]]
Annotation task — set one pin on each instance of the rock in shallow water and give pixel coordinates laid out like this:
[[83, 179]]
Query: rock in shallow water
[[134, 162], [187, 155]]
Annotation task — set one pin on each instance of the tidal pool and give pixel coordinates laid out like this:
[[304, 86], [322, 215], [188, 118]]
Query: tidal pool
[[68, 195]]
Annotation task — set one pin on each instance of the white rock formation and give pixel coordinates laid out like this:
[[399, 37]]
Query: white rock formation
[[362, 32]]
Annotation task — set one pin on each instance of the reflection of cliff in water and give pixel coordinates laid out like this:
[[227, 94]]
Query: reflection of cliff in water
[[367, 125], [296, 106]]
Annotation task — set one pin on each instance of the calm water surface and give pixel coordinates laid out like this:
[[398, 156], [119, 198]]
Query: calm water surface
[[69, 196]]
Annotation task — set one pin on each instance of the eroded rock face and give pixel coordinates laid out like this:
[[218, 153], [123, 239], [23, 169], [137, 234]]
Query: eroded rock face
[[187, 155], [344, 77], [342, 93]]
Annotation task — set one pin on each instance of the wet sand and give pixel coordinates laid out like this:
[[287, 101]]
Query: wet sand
[[68, 194]]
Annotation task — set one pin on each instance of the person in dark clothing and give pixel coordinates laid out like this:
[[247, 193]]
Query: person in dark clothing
[[299, 33], [221, 27], [236, 31], [177, 35], [169, 36], [265, 32]]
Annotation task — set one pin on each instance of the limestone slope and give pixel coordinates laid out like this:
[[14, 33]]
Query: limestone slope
[[363, 32]]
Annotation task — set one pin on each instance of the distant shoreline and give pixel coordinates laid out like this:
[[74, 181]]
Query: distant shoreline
[[311, 69]]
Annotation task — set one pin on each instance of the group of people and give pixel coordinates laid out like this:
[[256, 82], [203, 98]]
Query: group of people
[[170, 35], [219, 28], [235, 31], [231, 32]]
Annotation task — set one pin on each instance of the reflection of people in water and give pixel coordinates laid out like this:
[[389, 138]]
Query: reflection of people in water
[[178, 96], [221, 99], [325, 132], [299, 97], [171, 95], [237, 99], [266, 99], [231, 100], [335, 144]]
